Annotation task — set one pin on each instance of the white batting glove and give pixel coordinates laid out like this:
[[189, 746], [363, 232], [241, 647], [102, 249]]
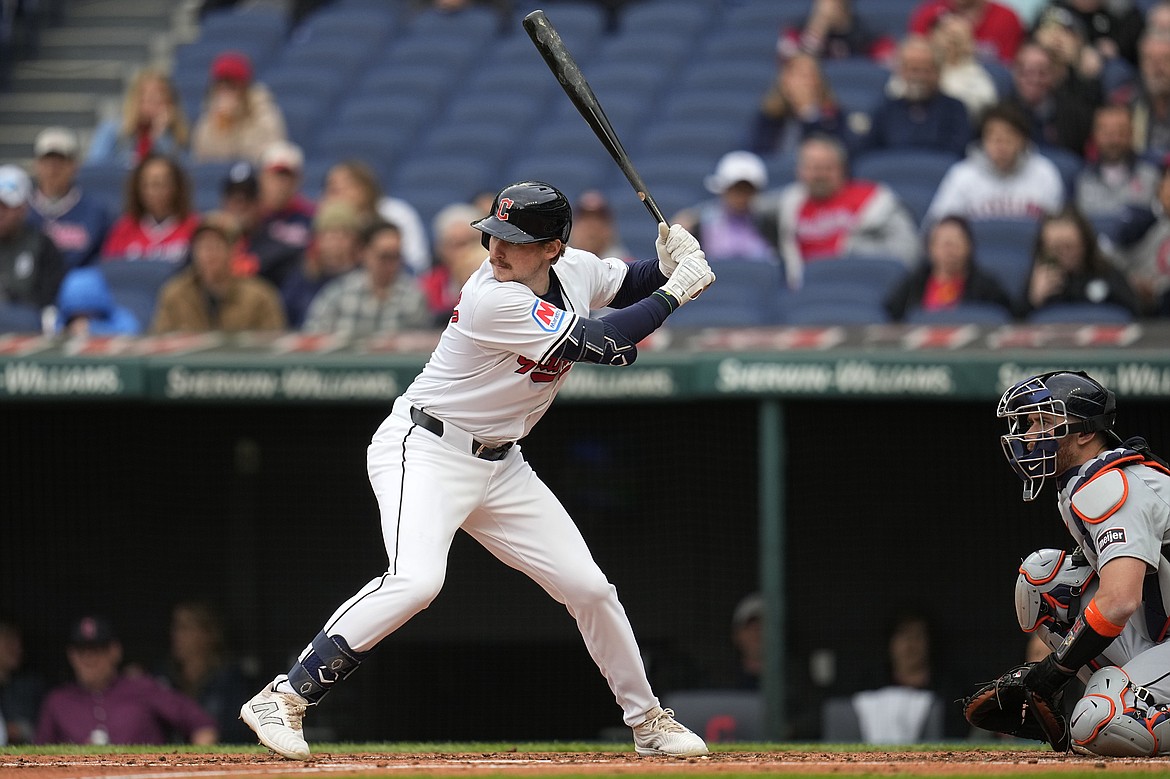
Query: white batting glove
[[673, 242], [691, 276]]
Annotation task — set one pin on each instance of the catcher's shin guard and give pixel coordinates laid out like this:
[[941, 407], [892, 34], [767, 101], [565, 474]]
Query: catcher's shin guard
[[328, 661], [1112, 720]]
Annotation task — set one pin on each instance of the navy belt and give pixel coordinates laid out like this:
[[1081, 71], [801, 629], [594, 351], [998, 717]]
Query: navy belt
[[478, 449]]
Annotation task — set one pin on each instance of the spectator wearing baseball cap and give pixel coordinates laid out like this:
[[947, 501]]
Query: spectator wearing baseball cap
[[285, 225], [208, 295], [240, 117], [730, 227], [151, 121], [240, 197], [76, 221], [31, 266], [104, 706]]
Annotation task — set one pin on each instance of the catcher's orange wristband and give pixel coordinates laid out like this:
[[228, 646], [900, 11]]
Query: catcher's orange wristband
[[1099, 623]]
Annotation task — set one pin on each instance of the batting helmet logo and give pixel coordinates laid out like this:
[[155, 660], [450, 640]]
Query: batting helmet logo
[[502, 209]]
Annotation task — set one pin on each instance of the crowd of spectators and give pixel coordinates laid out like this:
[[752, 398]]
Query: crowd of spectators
[[1056, 114], [111, 696]]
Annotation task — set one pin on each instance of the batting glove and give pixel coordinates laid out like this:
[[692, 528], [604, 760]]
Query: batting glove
[[691, 276], [673, 243]]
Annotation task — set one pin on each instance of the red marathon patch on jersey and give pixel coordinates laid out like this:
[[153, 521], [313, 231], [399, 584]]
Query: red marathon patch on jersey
[[1109, 537], [547, 316]]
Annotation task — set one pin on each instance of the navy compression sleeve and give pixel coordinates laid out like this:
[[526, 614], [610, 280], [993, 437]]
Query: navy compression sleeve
[[613, 339], [642, 278]]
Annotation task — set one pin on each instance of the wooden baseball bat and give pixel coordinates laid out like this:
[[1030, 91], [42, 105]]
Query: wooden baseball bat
[[564, 67]]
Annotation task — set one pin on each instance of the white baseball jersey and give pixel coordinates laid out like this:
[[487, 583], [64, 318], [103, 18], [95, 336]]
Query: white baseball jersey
[[491, 373], [1116, 506]]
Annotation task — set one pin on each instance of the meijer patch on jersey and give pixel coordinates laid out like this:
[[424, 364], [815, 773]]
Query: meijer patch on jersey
[[1114, 535]]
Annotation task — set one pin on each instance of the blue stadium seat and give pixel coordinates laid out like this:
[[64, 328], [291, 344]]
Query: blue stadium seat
[[472, 23], [1068, 163], [911, 165], [207, 183], [509, 81], [886, 18], [856, 73], [342, 57], [680, 19], [707, 139], [570, 136], [781, 168], [400, 112], [795, 312], [766, 14], [379, 146], [730, 103], [446, 177], [136, 284], [450, 50], [642, 49], [388, 82], [253, 20], [1081, 313], [567, 174], [107, 182], [745, 293], [876, 274], [676, 169], [373, 24], [486, 140], [750, 44], [19, 318], [1011, 266], [739, 75], [302, 118], [1001, 75], [307, 82], [963, 313]]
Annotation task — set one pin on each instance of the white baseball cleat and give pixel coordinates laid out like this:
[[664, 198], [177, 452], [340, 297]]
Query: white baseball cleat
[[276, 719], [661, 734]]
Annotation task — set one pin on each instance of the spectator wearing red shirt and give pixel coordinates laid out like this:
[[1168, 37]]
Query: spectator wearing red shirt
[[158, 220], [825, 214], [105, 706], [998, 31], [948, 276]]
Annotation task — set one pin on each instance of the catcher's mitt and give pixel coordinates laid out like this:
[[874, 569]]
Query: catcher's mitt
[[1005, 705]]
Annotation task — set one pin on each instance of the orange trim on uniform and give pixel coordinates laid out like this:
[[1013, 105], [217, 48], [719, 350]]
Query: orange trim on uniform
[[1099, 623], [1055, 570], [1157, 467], [1119, 504], [1102, 722]]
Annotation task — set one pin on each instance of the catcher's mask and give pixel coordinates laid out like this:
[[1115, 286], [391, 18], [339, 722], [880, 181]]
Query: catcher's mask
[[1059, 403]]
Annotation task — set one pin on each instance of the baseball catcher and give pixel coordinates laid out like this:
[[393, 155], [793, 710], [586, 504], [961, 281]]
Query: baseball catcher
[[1102, 608]]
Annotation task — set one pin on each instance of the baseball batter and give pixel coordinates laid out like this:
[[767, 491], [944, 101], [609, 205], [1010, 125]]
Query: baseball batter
[[447, 457], [1114, 498]]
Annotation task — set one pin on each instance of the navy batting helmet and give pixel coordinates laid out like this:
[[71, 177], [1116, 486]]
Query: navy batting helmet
[[1064, 402], [527, 212]]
